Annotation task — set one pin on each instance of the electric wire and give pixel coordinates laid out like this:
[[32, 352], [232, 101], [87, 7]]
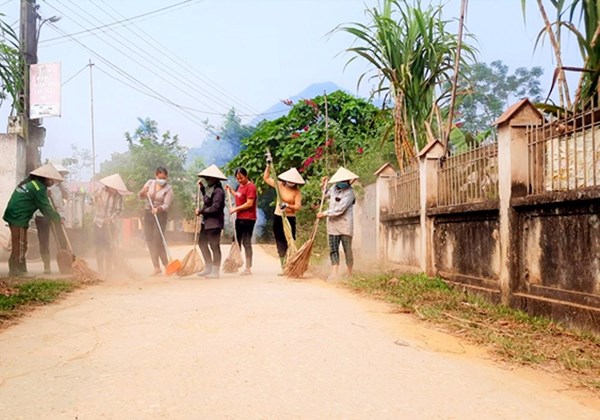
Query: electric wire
[[142, 64], [75, 75], [132, 20], [155, 43], [163, 65], [116, 68]]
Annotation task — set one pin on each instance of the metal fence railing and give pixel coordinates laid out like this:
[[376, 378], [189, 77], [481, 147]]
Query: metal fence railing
[[405, 191], [469, 177], [564, 152]]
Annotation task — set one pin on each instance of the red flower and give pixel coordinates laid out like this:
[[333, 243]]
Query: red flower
[[306, 127], [287, 102], [360, 150], [459, 124], [319, 152], [295, 135], [329, 142]]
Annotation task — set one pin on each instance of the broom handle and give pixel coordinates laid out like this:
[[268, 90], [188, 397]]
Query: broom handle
[[159, 229], [196, 222], [316, 226], [230, 205], [64, 231]]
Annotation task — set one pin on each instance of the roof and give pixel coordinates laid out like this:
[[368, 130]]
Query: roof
[[383, 168], [429, 146], [514, 108]]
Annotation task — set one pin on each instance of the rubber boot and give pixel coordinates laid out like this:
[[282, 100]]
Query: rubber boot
[[214, 273], [46, 260], [206, 272]]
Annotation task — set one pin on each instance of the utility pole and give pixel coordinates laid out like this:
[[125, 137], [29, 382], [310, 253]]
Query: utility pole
[[33, 133], [91, 65]]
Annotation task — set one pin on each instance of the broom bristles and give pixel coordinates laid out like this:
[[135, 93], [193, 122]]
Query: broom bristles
[[234, 261], [297, 264], [83, 273], [191, 263]]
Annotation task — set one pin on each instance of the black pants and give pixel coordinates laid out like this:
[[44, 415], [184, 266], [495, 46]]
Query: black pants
[[17, 263], [243, 231], [210, 238], [153, 238], [103, 238], [279, 233], [42, 224]]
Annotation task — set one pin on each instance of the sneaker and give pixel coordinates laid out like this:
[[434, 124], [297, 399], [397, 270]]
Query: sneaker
[[246, 272]]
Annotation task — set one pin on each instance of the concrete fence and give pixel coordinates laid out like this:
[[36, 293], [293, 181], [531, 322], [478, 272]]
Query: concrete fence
[[517, 221]]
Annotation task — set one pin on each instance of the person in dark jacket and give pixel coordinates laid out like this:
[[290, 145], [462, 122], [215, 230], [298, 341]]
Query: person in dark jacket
[[213, 219], [30, 195]]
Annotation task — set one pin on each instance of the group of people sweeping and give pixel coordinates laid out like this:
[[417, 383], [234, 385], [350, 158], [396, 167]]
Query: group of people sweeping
[[41, 191]]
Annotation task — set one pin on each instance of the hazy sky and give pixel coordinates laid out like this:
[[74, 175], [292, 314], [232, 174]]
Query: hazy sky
[[213, 54]]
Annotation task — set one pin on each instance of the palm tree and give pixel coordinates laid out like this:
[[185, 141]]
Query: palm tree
[[412, 54]]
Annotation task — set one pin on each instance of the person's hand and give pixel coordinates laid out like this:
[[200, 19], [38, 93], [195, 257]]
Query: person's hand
[[324, 181], [283, 206], [202, 189], [155, 210], [233, 210], [198, 212], [228, 188], [320, 215]]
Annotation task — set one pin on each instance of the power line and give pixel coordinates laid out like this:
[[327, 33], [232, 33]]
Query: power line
[[150, 68], [186, 114], [74, 76], [217, 87], [168, 68], [131, 20]]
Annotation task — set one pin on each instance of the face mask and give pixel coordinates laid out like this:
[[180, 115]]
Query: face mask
[[211, 181], [161, 182], [49, 182], [290, 184], [342, 185]]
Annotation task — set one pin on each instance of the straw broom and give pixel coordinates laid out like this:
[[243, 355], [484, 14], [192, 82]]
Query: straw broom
[[192, 262], [234, 261], [287, 227], [297, 264]]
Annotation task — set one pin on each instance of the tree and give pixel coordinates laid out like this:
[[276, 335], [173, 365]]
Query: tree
[[148, 149], [225, 141], [11, 66], [412, 52], [487, 90], [79, 160]]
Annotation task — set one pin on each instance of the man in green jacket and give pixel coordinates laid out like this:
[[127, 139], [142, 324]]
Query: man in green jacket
[[30, 195]]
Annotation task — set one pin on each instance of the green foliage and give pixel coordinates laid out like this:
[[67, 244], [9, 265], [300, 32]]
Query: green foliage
[[148, 149], [225, 141], [11, 66], [485, 91], [302, 139], [79, 160], [411, 51], [35, 292]]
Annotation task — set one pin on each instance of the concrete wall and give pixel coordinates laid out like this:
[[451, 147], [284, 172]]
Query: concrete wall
[[467, 249], [12, 171], [402, 242], [365, 226]]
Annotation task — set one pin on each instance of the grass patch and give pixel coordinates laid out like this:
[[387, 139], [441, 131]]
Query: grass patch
[[40, 292], [511, 334]]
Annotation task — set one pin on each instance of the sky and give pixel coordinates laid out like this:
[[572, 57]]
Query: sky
[[210, 55]]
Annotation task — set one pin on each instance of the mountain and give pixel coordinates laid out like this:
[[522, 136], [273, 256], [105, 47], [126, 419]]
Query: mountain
[[279, 109]]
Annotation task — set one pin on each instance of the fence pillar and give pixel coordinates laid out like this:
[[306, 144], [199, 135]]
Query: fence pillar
[[513, 167], [382, 198], [428, 176]]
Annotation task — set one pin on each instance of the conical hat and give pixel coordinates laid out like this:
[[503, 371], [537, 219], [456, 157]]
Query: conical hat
[[48, 171], [61, 169], [343, 174], [114, 181], [212, 172], [292, 175]]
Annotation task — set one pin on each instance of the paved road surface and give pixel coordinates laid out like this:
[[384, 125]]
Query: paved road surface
[[257, 347]]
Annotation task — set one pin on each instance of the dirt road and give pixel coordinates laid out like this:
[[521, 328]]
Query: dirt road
[[254, 347]]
